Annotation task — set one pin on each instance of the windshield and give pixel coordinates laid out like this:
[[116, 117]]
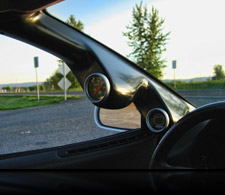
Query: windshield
[[192, 54]]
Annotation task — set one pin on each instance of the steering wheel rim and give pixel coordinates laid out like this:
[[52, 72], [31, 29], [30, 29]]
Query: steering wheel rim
[[210, 111]]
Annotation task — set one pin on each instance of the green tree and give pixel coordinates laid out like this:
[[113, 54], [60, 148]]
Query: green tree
[[52, 82], [75, 23], [32, 88], [25, 89], [218, 72], [42, 87], [146, 37], [8, 88]]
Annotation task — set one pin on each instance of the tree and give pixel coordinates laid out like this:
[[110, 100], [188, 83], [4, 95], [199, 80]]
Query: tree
[[25, 89], [52, 82], [75, 23], [147, 39], [219, 72], [32, 88], [42, 87], [8, 88]]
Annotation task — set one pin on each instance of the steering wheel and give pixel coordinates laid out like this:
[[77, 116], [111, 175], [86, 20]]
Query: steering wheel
[[160, 155]]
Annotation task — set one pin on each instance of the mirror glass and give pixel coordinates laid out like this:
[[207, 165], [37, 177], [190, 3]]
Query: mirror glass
[[125, 118]]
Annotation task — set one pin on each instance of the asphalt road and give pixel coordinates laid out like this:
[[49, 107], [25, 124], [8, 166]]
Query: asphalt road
[[48, 126], [65, 123], [202, 97]]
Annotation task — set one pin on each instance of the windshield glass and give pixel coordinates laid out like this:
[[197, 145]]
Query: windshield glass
[[191, 54]]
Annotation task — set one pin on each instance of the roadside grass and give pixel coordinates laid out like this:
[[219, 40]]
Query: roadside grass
[[197, 85], [12, 102]]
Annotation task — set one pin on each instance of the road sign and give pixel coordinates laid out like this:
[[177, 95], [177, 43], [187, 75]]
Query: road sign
[[36, 64], [65, 85], [64, 69], [174, 64]]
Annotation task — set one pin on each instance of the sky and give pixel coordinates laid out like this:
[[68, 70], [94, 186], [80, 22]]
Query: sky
[[196, 41]]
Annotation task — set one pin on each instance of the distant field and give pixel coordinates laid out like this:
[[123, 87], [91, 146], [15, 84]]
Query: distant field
[[12, 102]]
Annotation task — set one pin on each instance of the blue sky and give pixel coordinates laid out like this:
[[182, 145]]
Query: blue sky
[[196, 41], [92, 11]]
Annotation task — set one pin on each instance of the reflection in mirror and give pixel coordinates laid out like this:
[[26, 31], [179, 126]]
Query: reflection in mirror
[[125, 118]]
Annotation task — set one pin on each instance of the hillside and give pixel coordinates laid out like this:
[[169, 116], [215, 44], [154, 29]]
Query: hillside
[[19, 84]]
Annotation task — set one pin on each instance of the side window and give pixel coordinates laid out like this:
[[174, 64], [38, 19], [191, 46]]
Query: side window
[[30, 123]]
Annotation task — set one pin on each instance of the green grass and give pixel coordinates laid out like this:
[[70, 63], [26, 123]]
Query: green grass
[[213, 84], [12, 102], [76, 89]]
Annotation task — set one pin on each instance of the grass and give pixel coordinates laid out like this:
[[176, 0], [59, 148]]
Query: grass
[[12, 102], [213, 84], [76, 89]]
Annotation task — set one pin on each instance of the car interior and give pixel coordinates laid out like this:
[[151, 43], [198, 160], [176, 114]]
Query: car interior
[[170, 132]]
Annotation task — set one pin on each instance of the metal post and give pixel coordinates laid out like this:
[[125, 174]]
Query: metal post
[[38, 96], [64, 80], [174, 78], [174, 67]]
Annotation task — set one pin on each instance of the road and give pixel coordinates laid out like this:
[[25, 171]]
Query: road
[[48, 126], [202, 97], [65, 123]]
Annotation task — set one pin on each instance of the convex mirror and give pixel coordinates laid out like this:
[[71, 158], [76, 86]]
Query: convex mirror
[[118, 119]]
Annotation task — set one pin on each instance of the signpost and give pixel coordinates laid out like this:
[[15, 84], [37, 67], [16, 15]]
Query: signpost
[[174, 67], [36, 65], [64, 83]]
